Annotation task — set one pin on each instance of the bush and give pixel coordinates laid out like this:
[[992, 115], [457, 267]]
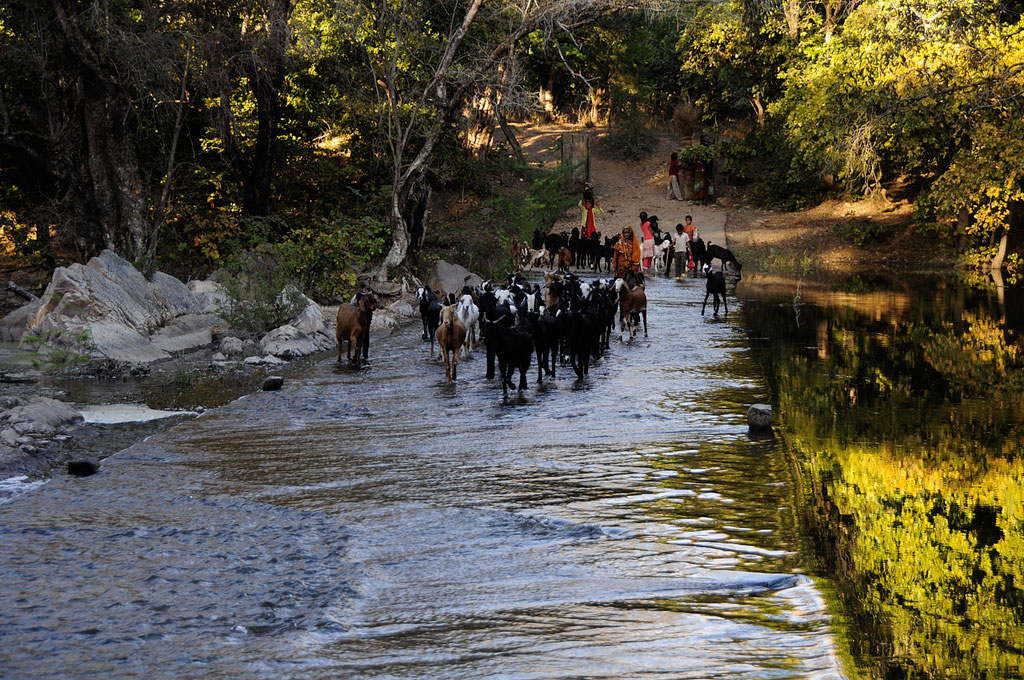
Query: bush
[[263, 293], [787, 179], [323, 260], [629, 136], [862, 232]]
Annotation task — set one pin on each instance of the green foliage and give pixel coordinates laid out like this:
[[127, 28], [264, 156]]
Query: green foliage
[[323, 259], [58, 351], [263, 293], [786, 178], [629, 136], [986, 179], [727, 64], [523, 198], [861, 232], [698, 153]]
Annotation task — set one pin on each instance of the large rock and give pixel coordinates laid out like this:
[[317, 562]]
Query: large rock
[[108, 308], [41, 416], [306, 334], [450, 278], [13, 326], [210, 296]]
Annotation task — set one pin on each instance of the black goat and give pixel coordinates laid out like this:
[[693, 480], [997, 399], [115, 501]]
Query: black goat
[[697, 253], [723, 254], [605, 253], [514, 349], [492, 312], [430, 314], [716, 287], [545, 334]]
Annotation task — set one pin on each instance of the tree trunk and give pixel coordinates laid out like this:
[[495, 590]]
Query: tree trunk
[[510, 135], [117, 188], [1000, 256], [687, 176], [791, 11]]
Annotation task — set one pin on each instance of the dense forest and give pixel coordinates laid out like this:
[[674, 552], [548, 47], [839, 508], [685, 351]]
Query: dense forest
[[181, 134]]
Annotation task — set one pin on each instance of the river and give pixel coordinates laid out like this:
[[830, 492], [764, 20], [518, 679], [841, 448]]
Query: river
[[901, 405], [379, 523]]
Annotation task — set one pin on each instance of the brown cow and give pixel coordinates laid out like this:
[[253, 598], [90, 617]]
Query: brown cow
[[352, 323], [451, 336]]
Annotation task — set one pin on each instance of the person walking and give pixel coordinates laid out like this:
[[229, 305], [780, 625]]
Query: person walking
[[626, 256], [647, 228], [588, 208], [690, 229], [682, 252], [674, 167]]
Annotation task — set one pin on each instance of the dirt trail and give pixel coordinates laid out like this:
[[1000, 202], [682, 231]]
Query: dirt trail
[[624, 188]]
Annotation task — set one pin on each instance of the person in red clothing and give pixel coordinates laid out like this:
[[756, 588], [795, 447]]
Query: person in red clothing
[[588, 207], [673, 178]]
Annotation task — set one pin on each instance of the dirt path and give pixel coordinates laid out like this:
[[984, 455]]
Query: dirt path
[[624, 188]]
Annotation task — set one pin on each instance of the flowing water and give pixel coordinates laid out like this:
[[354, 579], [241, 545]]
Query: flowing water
[[379, 523]]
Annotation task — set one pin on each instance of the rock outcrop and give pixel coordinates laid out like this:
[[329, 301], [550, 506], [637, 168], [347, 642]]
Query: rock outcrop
[[450, 278], [305, 334], [28, 429], [107, 308]]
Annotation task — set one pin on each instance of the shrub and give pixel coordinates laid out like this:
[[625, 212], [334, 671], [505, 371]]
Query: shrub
[[862, 231], [263, 294], [323, 259], [629, 136]]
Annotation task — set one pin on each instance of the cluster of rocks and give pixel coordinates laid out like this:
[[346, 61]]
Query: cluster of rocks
[[30, 434], [107, 309]]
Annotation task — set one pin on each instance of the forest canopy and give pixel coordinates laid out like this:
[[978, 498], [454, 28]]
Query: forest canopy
[[178, 132]]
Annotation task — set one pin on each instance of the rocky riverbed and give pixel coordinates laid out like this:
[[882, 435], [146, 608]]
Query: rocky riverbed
[[106, 356]]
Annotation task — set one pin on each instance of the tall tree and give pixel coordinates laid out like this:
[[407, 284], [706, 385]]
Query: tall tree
[[244, 48], [425, 60], [78, 81]]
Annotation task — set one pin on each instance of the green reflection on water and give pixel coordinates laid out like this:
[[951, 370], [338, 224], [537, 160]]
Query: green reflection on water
[[904, 412]]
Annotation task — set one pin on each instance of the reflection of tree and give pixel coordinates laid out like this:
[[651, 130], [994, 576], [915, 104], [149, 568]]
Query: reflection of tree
[[909, 435]]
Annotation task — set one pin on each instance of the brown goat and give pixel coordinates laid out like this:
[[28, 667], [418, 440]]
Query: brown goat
[[632, 305], [351, 324], [451, 335]]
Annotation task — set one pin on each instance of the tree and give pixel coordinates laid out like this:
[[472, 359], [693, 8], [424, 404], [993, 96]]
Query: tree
[[79, 85], [425, 61], [244, 47]]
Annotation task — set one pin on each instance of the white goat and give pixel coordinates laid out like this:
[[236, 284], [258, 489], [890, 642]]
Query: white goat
[[469, 314], [660, 261]]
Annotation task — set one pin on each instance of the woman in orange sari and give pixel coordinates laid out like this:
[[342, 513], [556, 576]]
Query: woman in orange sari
[[626, 258]]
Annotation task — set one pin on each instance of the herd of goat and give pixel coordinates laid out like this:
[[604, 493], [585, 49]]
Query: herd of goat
[[567, 321]]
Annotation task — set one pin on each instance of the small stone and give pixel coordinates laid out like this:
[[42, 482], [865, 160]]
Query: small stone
[[219, 356], [252, 361], [272, 383], [759, 417], [83, 468], [231, 345]]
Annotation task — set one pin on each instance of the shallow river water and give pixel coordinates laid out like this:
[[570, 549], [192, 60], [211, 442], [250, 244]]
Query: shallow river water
[[378, 523]]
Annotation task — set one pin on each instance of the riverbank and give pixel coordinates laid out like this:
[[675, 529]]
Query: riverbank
[[836, 240]]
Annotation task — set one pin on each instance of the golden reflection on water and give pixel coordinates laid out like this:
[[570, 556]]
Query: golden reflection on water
[[904, 412]]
